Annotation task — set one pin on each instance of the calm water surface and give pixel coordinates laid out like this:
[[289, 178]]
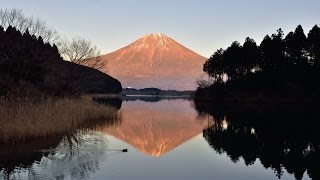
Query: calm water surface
[[170, 139]]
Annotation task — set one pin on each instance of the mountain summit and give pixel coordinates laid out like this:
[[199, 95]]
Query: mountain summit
[[155, 60]]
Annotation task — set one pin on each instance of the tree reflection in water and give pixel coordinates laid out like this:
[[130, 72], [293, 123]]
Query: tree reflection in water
[[74, 155], [77, 156], [282, 138]]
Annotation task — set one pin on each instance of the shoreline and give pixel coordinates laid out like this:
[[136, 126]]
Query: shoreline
[[252, 100]]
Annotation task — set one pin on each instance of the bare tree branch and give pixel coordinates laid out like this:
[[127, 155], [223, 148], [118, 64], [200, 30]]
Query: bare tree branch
[[205, 81], [78, 50], [35, 26], [81, 51]]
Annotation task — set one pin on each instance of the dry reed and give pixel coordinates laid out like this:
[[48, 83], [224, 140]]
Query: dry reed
[[26, 119]]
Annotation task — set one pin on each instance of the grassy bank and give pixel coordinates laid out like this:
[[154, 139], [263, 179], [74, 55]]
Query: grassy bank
[[22, 119]]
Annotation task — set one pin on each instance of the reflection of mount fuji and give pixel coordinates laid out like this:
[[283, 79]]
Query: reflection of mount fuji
[[157, 128]]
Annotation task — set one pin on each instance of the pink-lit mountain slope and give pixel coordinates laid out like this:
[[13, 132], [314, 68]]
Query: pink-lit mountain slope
[[155, 60]]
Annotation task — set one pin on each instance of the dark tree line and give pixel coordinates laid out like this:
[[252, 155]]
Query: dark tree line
[[79, 50], [34, 25], [293, 53], [23, 58], [31, 67]]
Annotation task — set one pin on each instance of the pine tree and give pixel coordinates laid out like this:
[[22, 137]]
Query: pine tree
[[296, 47], [313, 45]]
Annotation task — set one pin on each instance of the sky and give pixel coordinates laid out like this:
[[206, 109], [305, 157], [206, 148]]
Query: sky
[[201, 25]]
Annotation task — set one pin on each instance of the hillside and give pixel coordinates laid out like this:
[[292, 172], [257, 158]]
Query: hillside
[[30, 67]]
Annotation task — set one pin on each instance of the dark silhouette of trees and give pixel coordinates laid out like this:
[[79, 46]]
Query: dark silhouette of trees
[[35, 26], [295, 51], [22, 56], [275, 53], [214, 66], [78, 50], [278, 67], [282, 69], [31, 67], [313, 46], [233, 61], [251, 55], [272, 52]]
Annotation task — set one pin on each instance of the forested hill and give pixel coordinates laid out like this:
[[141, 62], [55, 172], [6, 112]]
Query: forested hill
[[282, 68], [30, 67]]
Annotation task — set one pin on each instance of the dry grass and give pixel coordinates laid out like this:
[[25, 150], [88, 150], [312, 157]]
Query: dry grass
[[25, 119]]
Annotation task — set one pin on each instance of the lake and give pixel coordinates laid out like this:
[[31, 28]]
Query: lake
[[177, 139]]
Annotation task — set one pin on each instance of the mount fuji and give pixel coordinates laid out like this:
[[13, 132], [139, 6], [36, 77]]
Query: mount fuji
[[155, 60]]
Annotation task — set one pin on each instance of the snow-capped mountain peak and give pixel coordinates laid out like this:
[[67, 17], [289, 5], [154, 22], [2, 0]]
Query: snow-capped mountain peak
[[155, 60]]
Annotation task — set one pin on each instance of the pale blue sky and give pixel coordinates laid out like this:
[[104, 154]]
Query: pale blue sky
[[201, 25]]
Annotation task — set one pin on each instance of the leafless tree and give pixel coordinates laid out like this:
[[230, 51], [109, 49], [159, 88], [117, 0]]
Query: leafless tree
[[205, 81], [35, 25], [81, 51]]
